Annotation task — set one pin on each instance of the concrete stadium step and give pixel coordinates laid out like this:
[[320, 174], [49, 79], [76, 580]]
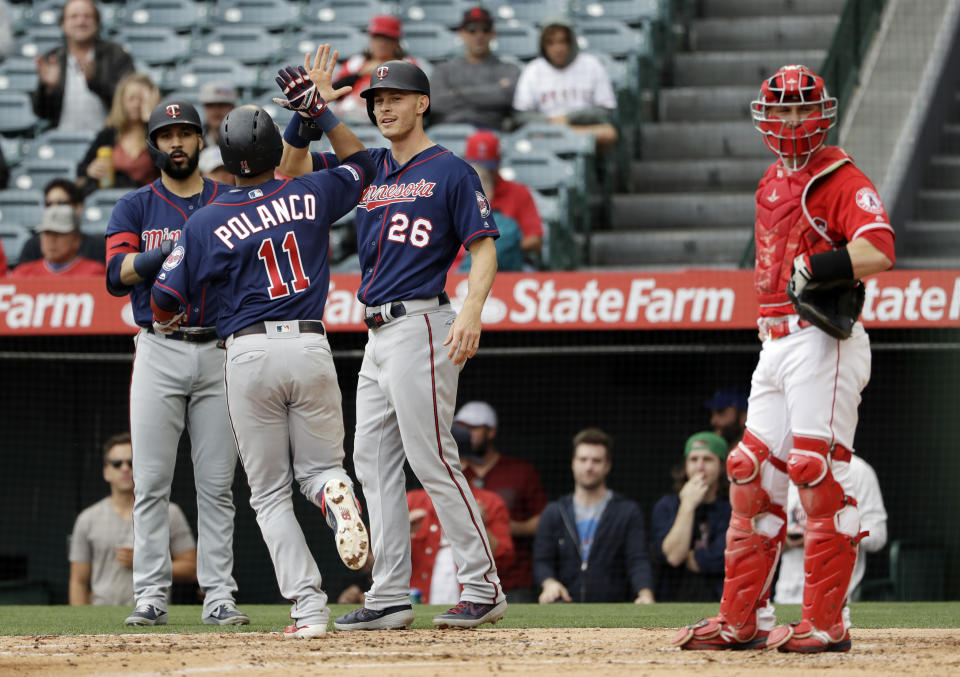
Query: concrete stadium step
[[700, 175], [920, 261], [933, 237], [754, 8], [744, 68], [937, 204], [950, 139], [756, 33], [662, 211], [682, 248], [943, 171], [690, 140], [689, 104]]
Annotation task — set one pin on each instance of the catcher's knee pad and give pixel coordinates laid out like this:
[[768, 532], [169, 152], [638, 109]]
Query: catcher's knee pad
[[745, 471], [832, 533]]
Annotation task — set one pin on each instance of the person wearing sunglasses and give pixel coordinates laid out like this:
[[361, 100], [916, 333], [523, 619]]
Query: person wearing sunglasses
[[476, 88], [101, 546]]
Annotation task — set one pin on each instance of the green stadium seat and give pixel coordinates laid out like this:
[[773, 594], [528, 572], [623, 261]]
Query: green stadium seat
[[180, 15], [18, 73], [61, 144], [12, 236], [248, 44], [154, 44], [16, 113], [273, 15]]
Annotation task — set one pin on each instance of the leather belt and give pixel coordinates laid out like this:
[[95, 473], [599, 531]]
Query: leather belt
[[199, 335], [377, 316], [778, 327], [306, 327]]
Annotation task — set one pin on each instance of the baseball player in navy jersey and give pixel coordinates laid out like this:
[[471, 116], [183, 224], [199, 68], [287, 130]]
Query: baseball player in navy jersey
[[262, 251], [175, 375], [422, 205]]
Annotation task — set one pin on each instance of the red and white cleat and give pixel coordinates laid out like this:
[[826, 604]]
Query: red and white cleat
[[715, 634], [802, 637]]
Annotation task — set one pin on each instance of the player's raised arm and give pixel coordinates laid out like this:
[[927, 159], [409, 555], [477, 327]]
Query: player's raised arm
[[308, 89]]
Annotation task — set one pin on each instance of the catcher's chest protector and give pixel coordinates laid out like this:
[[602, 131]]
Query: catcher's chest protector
[[782, 230]]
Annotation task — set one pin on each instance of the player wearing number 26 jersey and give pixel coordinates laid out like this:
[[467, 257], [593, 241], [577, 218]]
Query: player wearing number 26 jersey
[[261, 250]]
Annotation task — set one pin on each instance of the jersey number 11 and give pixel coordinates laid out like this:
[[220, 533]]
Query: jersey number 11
[[278, 288]]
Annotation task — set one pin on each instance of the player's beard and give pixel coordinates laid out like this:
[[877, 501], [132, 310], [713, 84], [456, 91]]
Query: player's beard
[[731, 432], [175, 172]]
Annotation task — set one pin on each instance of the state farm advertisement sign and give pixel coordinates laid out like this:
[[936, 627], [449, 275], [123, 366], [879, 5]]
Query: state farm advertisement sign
[[687, 299]]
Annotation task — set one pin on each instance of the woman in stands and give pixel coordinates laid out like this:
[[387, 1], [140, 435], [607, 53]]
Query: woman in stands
[[125, 134]]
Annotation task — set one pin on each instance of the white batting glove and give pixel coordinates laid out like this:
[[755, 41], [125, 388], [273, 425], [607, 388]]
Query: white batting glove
[[170, 325], [800, 276]]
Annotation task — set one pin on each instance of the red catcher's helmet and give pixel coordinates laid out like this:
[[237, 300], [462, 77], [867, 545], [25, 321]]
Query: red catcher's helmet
[[794, 86]]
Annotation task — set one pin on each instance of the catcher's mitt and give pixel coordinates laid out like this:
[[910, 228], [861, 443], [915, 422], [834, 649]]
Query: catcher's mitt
[[833, 306]]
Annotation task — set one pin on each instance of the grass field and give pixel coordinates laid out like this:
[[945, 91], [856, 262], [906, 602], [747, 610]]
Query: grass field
[[66, 620]]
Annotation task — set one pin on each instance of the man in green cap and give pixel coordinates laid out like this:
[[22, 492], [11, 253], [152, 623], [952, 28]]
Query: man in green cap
[[689, 526]]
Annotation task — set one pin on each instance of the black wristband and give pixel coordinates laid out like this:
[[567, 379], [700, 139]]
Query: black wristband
[[147, 264], [832, 265], [310, 130], [293, 134]]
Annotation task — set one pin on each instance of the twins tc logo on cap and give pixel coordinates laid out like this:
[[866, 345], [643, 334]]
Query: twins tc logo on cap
[[382, 72], [173, 110]]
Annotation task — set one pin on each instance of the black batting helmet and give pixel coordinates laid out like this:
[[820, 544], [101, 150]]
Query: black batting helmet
[[171, 112], [396, 75], [250, 142]]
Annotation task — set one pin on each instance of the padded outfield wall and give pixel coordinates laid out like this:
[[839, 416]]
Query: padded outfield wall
[[64, 393]]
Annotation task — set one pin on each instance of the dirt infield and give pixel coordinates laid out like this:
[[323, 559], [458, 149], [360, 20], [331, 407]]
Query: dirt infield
[[464, 653]]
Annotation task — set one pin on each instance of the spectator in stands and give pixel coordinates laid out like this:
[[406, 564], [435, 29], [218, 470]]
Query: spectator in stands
[[101, 552], [506, 197], [77, 78], [211, 165], [385, 32], [728, 415], [60, 240], [590, 545], [689, 526], [218, 99], [873, 518], [128, 164], [567, 87], [476, 88], [516, 481], [64, 192], [434, 571]]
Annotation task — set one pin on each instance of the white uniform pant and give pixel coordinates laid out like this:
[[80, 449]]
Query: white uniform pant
[[285, 407], [173, 380], [808, 384], [406, 395]]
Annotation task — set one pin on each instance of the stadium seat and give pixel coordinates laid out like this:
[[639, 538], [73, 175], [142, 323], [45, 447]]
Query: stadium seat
[[631, 12], [12, 147], [430, 41], [39, 40], [22, 207], [346, 39], [530, 11], [614, 38], [539, 170], [247, 43], [154, 44], [35, 173], [61, 145], [18, 73], [16, 113], [451, 135], [446, 12], [13, 235], [518, 39], [201, 69], [180, 15], [354, 13], [97, 209], [273, 15]]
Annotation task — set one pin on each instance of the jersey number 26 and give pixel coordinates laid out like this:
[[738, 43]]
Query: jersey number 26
[[419, 233], [278, 288]]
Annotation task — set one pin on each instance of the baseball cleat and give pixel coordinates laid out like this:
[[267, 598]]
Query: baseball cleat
[[311, 631], [470, 615], [802, 637], [226, 613], [147, 614], [714, 634], [398, 617], [343, 515]]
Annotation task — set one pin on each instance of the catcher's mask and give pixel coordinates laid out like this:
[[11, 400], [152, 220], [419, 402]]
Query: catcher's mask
[[793, 141], [396, 75]]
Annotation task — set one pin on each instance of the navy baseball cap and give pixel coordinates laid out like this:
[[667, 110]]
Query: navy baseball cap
[[728, 397]]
